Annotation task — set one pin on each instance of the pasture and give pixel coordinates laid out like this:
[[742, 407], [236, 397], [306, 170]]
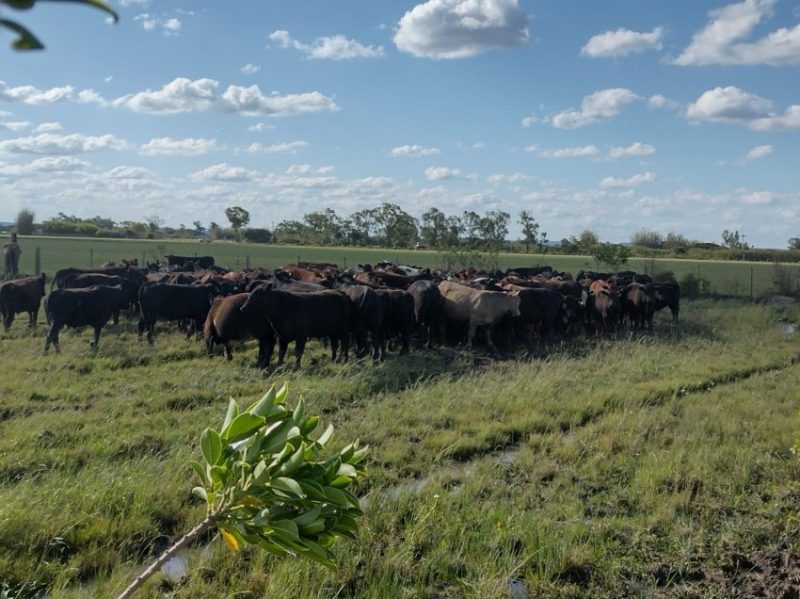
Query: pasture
[[725, 278], [653, 465]]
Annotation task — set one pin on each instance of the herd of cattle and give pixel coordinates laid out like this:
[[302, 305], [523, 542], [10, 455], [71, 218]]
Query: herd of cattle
[[368, 306]]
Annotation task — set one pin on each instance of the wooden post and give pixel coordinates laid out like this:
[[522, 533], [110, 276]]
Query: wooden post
[[143, 264], [91, 258], [247, 261], [37, 261], [751, 284]]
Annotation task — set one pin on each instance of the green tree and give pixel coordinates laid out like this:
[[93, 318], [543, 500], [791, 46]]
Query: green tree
[[587, 240], [530, 230], [25, 39], [434, 228], [613, 255], [734, 240], [493, 229], [24, 222], [794, 243], [398, 227], [325, 226], [648, 239], [238, 217]]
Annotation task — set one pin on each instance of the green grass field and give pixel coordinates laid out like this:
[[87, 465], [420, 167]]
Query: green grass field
[[726, 278], [641, 466]]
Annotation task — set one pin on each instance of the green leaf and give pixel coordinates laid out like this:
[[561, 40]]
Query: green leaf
[[326, 436], [299, 411], [201, 493], [346, 470], [280, 396], [309, 425], [263, 406], [26, 40], [309, 517], [200, 471], [19, 4], [318, 554], [288, 485], [288, 528], [218, 474], [293, 463], [336, 496], [97, 4], [242, 427], [211, 446], [233, 412]]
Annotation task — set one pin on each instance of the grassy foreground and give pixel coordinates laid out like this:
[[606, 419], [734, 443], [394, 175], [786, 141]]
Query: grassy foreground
[[641, 466], [725, 277]]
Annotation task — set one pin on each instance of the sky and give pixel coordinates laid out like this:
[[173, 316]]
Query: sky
[[612, 115]]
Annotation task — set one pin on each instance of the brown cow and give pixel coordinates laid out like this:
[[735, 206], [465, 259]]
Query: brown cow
[[226, 322], [478, 308], [639, 305], [606, 311], [21, 295]]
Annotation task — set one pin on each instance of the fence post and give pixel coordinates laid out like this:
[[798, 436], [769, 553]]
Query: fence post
[[247, 261], [143, 260], [37, 261], [91, 258], [751, 284]]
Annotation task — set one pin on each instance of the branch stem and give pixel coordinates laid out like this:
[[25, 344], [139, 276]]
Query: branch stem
[[190, 536]]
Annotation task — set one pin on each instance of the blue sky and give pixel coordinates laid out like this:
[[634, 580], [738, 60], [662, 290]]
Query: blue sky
[[611, 115]]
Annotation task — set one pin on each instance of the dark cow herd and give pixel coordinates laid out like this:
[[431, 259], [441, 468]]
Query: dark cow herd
[[373, 308]]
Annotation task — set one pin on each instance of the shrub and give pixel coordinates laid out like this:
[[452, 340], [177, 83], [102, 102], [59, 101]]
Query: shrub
[[694, 286], [664, 275]]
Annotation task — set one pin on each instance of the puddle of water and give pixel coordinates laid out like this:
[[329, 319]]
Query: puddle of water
[[177, 566], [517, 590]]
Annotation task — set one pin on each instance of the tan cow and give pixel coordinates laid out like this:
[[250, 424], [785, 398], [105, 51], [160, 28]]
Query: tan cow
[[478, 308]]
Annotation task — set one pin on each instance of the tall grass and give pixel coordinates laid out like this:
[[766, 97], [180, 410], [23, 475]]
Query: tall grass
[[624, 467]]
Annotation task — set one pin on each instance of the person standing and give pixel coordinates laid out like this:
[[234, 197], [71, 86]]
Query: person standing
[[11, 252]]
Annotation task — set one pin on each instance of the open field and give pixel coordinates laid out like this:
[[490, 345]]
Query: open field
[[726, 278], [656, 465]]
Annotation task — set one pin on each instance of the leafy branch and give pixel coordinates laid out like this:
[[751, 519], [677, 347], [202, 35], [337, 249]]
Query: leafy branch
[[263, 487], [25, 39]]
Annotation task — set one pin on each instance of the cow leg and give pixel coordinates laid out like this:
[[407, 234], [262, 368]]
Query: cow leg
[[265, 349], [489, 338], [405, 338], [282, 347], [473, 326], [299, 346], [227, 351], [115, 317], [52, 337], [334, 341], [344, 346], [96, 338]]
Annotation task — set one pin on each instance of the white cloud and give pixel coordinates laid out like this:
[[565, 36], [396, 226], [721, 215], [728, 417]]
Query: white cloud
[[44, 165], [788, 120], [573, 152], [622, 42], [166, 146], [413, 151], [250, 69], [150, 22], [47, 127], [530, 120], [127, 3], [635, 149], [29, 94], [461, 28], [633, 181], [716, 42], [758, 198], [729, 104], [223, 172], [758, 152], [185, 95], [335, 47], [439, 173], [129, 172], [602, 104], [13, 125], [303, 169], [511, 179], [259, 128], [49, 143], [658, 101], [286, 147]]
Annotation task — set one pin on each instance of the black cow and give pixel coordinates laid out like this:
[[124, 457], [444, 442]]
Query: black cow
[[21, 295], [398, 316], [84, 280], [298, 316], [128, 272], [189, 262], [366, 317], [668, 295], [638, 305], [427, 307], [539, 310], [91, 306], [165, 301]]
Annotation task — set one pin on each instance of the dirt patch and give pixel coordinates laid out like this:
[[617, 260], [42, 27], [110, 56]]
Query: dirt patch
[[772, 573]]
